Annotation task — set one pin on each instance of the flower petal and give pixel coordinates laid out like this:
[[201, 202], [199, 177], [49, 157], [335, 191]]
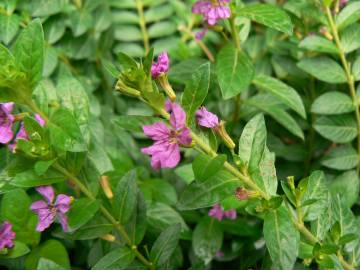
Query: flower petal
[[63, 221], [157, 131], [46, 218], [62, 203], [38, 206], [184, 137], [47, 192], [177, 117], [206, 118]]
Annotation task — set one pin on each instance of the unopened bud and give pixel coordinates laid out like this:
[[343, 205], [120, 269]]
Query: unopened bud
[[241, 194], [325, 32], [104, 182], [121, 87], [163, 80], [220, 129], [108, 237], [291, 182]]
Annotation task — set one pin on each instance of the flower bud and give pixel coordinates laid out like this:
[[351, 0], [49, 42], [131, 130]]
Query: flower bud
[[121, 87], [163, 80], [108, 237], [104, 182], [224, 135]]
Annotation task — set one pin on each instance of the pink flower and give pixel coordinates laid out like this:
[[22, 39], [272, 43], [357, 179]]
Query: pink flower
[[161, 66], [343, 3], [7, 235], [6, 122], [47, 210], [201, 34], [218, 213], [212, 12], [165, 152], [22, 135], [230, 214], [206, 118]]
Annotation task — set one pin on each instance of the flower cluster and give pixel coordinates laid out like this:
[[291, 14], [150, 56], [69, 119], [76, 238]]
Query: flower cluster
[[7, 120], [47, 211], [218, 213], [161, 66], [7, 235], [212, 11]]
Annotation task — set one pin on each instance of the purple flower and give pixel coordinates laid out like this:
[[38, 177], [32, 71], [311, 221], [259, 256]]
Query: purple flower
[[165, 152], [230, 214], [7, 235], [6, 122], [201, 34], [206, 118], [47, 210], [161, 66], [216, 212], [22, 135], [212, 12]]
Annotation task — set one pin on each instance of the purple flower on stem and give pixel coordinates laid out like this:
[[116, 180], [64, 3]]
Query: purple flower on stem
[[6, 122], [7, 235], [22, 135], [47, 210], [212, 11], [206, 118], [216, 212], [161, 66], [165, 152], [230, 214]]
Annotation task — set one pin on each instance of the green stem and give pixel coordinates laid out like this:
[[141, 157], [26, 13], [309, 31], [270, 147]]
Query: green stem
[[235, 34], [106, 214], [349, 76], [142, 23]]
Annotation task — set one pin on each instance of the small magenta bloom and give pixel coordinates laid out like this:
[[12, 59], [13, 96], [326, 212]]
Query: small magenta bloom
[[165, 152], [47, 210], [201, 34], [206, 118], [343, 3], [230, 214], [218, 213], [6, 122], [161, 66], [7, 235], [22, 135], [212, 11]]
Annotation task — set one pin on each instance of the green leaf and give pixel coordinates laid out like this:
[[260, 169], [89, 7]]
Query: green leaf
[[324, 69], [29, 53], [343, 215], [135, 123], [80, 21], [65, 132], [252, 142], [207, 193], [165, 245], [356, 69], [347, 185], [341, 158], [185, 172], [30, 178], [350, 38], [348, 15], [204, 167], [9, 26], [234, 71], [45, 264], [315, 190], [261, 102], [207, 239], [268, 15], [196, 91], [158, 13], [339, 128], [333, 103], [125, 197], [136, 227], [81, 211], [19, 249], [119, 258], [160, 216], [183, 71], [52, 250], [318, 44], [281, 238], [282, 91], [161, 191], [162, 29]]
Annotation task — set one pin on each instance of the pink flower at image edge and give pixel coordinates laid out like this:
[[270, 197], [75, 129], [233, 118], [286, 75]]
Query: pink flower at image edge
[[47, 210], [6, 122], [165, 152], [211, 12], [7, 235]]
